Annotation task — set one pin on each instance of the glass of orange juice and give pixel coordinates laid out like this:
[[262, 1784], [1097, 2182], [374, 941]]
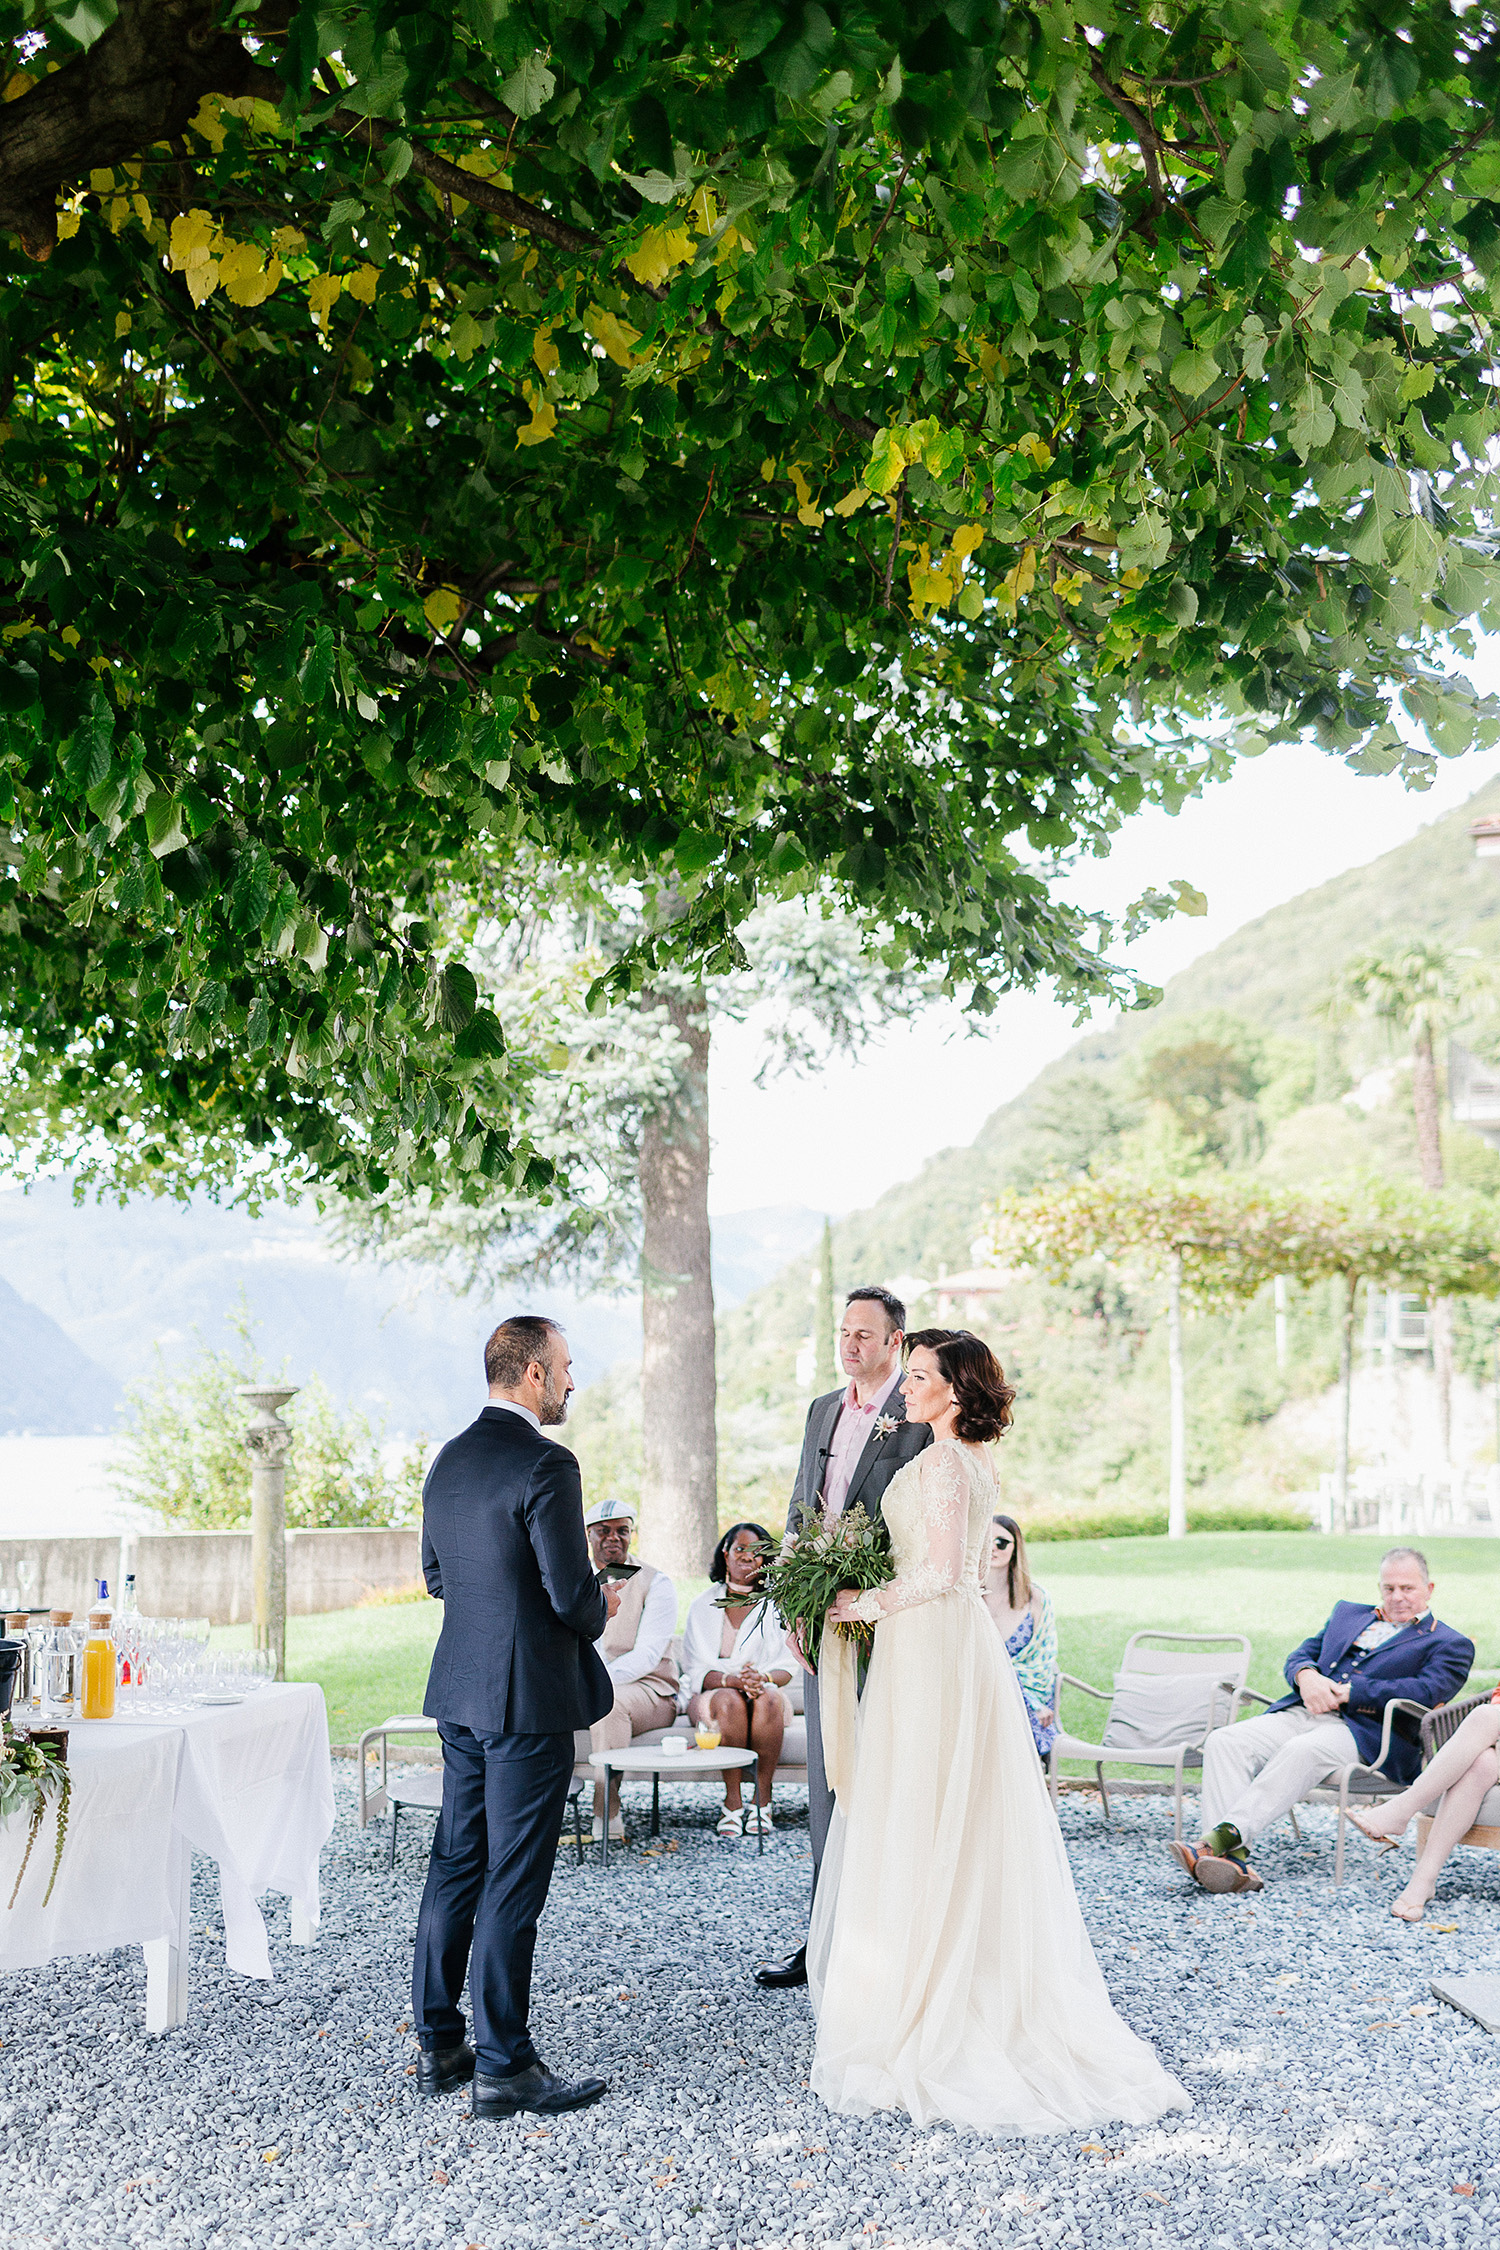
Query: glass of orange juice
[[707, 1735]]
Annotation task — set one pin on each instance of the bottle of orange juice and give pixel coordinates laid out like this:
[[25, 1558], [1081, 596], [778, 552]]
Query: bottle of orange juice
[[99, 1668]]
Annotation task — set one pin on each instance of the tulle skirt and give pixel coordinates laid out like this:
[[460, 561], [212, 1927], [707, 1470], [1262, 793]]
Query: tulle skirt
[[950, 1968]]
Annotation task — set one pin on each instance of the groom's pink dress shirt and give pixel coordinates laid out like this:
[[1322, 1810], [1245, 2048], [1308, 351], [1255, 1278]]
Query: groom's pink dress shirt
[[851, 1433]]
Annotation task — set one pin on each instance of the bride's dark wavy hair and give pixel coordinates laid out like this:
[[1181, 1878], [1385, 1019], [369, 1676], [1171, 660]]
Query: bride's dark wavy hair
[[983, 1396]]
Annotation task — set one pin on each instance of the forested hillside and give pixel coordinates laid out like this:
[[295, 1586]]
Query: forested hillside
[[1237, 1065]]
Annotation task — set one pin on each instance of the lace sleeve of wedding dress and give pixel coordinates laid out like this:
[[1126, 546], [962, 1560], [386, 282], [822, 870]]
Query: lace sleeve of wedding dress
[[945, 1510]]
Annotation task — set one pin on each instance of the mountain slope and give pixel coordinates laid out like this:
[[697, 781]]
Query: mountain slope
[[1092, 1429], [48, 1387], [1272, 973]]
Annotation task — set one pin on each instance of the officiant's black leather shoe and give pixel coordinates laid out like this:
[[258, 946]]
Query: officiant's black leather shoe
[[441, 2070], [776, 1974], [536, 2089]]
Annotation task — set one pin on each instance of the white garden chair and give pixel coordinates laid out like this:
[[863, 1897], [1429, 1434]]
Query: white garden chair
[[419, 1791], [1170, 1692]]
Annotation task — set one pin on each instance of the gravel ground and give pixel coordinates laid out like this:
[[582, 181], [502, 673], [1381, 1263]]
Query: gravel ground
[[1334, 2103]]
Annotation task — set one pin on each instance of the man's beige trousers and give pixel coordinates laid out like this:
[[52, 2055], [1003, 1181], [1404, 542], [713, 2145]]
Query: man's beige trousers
[[1256, 1771]]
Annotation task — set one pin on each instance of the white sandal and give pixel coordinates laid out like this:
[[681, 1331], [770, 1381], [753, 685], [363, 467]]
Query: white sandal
[[732, 1821]]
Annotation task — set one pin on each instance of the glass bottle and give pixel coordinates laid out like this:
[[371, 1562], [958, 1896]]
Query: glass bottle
[[128, 1604], [39, 1636], [18, 1628], [99, 1668], [63, 1667]]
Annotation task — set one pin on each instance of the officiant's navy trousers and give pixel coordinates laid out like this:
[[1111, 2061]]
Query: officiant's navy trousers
[[492, 1857]]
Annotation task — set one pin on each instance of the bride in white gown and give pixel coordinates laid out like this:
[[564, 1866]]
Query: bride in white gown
[[950, 1969]]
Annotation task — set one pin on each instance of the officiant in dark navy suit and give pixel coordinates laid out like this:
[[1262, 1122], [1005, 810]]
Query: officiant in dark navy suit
[[855, 1441], [1368, 1654], [513, 1675]]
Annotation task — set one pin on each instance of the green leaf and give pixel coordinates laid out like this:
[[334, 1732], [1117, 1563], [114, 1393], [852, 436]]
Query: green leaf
[[18, 687], [529, 86], [166, 830], [251, 891], [457, 996], [887, 463], [87, 760], [1371, 539], [1193, 373], [694, 850], [481, 1037], [316, 674]]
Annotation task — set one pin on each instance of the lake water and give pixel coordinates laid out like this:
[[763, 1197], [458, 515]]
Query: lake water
[[56, 1487]]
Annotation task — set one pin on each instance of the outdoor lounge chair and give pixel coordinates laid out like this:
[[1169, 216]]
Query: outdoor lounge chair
[[1364, 1784], [1439, 1727], [791, 1766], [1170, 1691]]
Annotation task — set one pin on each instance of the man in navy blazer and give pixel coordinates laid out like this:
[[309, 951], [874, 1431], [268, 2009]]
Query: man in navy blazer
[[1366, 1656], [513, 1674]]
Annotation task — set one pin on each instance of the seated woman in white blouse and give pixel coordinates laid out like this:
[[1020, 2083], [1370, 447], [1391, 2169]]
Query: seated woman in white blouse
[[735, 1664]]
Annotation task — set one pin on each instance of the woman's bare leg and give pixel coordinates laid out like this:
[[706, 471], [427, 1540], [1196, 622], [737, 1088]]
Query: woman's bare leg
[[767, 1727], [1451, 1822], [732, 1718], [1478, 1734]]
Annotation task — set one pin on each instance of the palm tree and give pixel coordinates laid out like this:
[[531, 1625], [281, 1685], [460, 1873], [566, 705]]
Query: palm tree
[[1419, 989]]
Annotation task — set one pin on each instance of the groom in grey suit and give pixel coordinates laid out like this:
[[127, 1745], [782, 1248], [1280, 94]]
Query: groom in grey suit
[[856, 1439]]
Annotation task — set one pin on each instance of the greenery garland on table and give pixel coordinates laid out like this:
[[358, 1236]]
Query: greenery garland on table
[[33, 1775]]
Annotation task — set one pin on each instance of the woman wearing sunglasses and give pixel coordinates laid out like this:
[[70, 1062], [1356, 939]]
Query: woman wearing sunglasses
[[1023, 1612]]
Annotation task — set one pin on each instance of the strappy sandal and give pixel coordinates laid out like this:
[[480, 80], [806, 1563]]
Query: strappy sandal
[[1381, 1843], [732, 1821]]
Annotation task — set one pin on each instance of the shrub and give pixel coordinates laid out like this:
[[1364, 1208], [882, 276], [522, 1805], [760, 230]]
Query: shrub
[[183, 1450], [1151, 1523]]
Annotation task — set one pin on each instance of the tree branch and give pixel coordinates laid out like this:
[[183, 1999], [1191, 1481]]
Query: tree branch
[[141, 82]]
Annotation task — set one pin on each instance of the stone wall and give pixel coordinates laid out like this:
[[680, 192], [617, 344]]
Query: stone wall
[[207, 1573]]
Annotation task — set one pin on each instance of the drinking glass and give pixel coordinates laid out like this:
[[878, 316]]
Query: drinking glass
[[26, 1584]]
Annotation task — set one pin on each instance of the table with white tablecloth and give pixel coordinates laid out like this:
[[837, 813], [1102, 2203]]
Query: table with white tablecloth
[[248, 1783]]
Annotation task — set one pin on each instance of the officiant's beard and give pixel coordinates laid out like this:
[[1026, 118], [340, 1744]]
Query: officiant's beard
[[553, 1409]]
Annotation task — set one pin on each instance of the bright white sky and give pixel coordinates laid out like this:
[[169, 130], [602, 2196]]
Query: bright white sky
[[1281, 824]]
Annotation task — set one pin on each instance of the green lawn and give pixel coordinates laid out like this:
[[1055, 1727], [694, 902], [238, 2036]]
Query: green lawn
[[1275, 1586]]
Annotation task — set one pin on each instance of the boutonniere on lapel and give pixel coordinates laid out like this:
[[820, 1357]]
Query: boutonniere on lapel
[[884, 1424]]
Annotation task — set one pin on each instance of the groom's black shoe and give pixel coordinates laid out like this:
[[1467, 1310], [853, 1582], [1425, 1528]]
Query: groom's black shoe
[[776, 1974], [533, 2088], [441, 2070]]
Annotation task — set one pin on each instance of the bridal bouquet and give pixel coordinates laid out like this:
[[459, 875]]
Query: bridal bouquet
[[804, 1579]]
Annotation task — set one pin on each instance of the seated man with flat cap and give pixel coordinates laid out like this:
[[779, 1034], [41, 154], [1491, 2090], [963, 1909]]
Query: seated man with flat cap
[[634, 1646]]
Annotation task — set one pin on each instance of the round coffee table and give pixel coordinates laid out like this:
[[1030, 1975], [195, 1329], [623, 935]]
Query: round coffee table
[[651, 1758]]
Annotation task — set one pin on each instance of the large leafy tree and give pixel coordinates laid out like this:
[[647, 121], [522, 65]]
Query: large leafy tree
[[746, 440], [624, 1106]]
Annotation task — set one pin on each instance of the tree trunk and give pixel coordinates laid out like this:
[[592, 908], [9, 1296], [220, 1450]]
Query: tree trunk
[[1424, 1096], [1346, 1393], [680, 1486], [824, 1375], [1442, 1367], [1177, 1484]]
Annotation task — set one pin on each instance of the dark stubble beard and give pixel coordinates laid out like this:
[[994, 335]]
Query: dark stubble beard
[[554, 1409]]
